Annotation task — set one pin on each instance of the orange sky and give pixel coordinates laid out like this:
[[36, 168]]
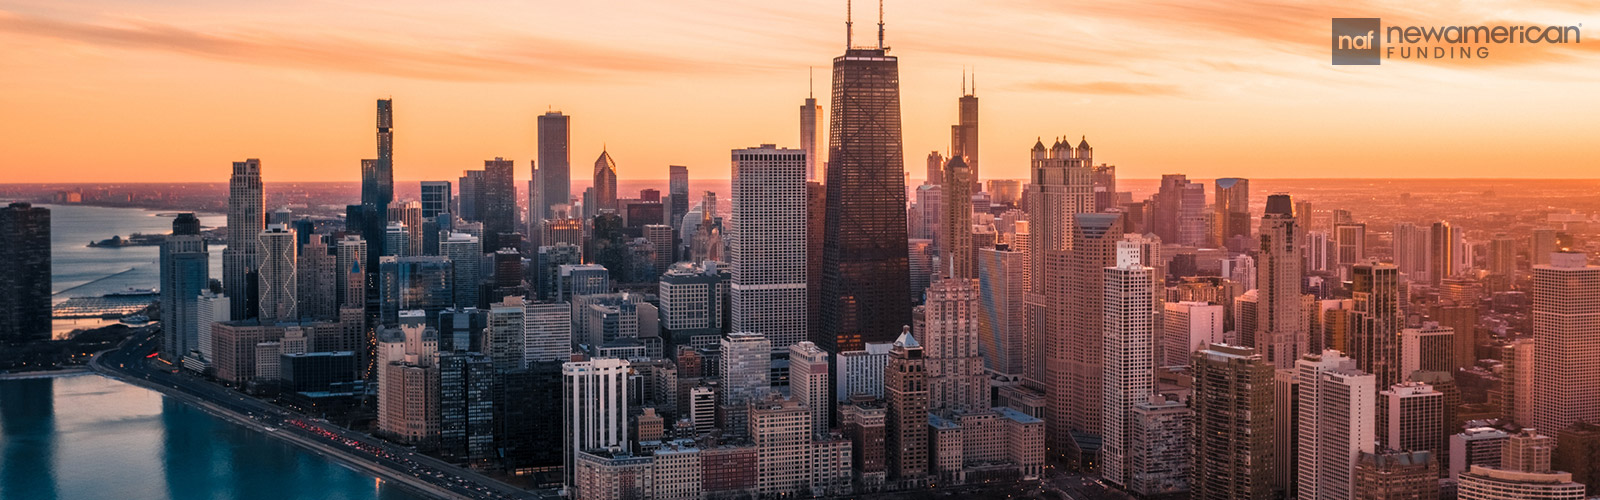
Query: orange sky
[[175, 90]]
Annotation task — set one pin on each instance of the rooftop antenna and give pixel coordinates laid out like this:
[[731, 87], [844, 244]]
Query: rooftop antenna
[[880, 24], [811, 82], [848, 30], [974, 81], [963, 80]]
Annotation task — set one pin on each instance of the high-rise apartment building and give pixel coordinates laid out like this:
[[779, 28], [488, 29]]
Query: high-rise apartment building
[[408, 390], [1129, 353], [594, 407], [1350, 245], [861, 372], [1232, 436], [1411, 417], [185, 272], [1426, 349], [1335, 424], [1376, 322], [1566, 335], [905, 388], [767, 243], [864, 261], [466, 406], [1280, 333], [1476, 446], [808, 383], [24, 273], [279, 287], [782, 432], [1073, 368], [948, 326], [546, 331], [1158, 446], [465, 253], [1524, 472], [246, 219]]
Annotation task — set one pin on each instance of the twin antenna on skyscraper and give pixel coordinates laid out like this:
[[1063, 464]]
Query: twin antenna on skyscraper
[[849, 30]]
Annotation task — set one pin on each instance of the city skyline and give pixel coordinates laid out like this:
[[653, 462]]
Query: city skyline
[[292, 89]]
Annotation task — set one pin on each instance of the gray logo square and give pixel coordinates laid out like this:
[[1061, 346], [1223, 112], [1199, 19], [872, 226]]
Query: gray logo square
[[1357, 40]]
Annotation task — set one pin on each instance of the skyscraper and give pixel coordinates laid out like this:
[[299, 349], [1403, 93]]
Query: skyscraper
[[678, 194], [1281, 334], [1232, 436], [465, 253], [1411, 417], [24, 273], [948, 325], [1059, 187], [1411, 251], [1233, 210], [1129, 351], [246, 219], [1376, 322], [1442, 251], [555, 162], [1180, 211], [1001, 329], [1566, 333], [436, 198], [808, 383], [498, 204], [1350, 245], [810, 141], [185, 272], [767, 243], [605, 184], [955, 222], [594, 407], [377, 175], [279, 286], [1336, 424], [964, 134], [1075, 351], [864, 265], [905, 387]]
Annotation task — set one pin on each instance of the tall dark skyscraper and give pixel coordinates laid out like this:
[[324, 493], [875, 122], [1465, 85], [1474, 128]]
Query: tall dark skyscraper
[[555, 161], [498, 204], [377, 175], [246, 219], [864, 264], [964, 134], [24, 273]]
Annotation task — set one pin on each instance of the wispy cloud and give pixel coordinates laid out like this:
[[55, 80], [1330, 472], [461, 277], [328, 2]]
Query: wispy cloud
[[1106, 88], [521, 58]]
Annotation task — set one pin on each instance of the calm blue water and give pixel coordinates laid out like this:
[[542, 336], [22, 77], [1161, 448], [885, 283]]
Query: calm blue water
[[79, 271], [90, 437], [74, 265]]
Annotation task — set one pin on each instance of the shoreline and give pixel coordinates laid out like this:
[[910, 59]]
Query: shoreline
[[334, 455], [64, 372]]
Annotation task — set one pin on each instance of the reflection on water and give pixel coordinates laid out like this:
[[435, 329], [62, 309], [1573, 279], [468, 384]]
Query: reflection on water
[[79, 437]]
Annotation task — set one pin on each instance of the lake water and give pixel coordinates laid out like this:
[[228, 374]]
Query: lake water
[[91, 437], [80, 271]]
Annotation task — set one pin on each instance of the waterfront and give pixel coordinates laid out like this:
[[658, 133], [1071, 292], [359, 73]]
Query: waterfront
[[76, 270], [78, 437]]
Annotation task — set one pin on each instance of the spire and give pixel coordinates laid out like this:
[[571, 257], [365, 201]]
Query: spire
[[963, 80], [974, 81], [811, 82], [848, 30], [880, 24]]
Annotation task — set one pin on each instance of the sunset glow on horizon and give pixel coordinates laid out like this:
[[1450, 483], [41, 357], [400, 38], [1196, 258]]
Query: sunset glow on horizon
[[174, 91]]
